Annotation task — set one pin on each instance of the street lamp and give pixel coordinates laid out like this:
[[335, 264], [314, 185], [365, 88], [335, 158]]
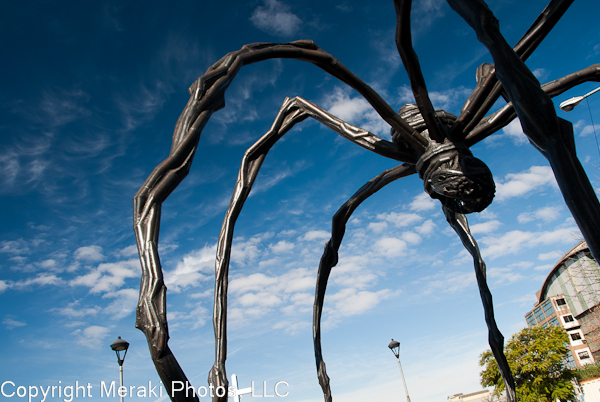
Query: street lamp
[[569, 104], [120, 346], [395, 348]]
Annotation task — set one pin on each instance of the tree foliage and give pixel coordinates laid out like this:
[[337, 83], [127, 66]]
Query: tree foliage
[[536, 357]]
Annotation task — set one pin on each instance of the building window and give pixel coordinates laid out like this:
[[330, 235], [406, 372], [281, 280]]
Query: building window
[[570, 361], [576, 336], [547, 306], [560, 302], [530, 320], [539, 314], [553, 321], [568, 319], [583, 355]]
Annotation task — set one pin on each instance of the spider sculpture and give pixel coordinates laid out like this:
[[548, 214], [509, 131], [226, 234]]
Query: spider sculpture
[[434, 144]]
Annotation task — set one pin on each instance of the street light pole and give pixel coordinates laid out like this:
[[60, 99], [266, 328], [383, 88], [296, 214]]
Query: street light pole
[[569, 104], [120, 346], [395, 348]]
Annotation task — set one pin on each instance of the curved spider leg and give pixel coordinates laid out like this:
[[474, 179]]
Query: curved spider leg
[[488, 90], [330, 257], [548, 133], [496, 340], [506, 114], [207, 96], [219, 77], [413, 69], [292, 111]]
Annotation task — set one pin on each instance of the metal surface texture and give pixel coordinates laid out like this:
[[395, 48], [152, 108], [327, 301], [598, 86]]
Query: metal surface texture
[[432, 143]]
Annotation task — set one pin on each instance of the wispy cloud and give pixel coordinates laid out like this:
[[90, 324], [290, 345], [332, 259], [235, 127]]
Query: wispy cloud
[[524, 183], [546, 214], [275, 18], [516, 240], [108, 276], [355, 110], [89, 253], [195, 268], [423, 202], [92, 336], [11, 323]]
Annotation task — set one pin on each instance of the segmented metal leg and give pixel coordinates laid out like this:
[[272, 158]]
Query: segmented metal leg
[[292, 112], [461, 227], [330, 257]]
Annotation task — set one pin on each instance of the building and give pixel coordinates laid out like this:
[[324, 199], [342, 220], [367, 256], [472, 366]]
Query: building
[[570, 297], [479, 396]]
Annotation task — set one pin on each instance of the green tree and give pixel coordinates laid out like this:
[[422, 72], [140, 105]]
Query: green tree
[[536, 357]]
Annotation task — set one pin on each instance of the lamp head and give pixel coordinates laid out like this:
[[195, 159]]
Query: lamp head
[[120, 346], [395, 348]]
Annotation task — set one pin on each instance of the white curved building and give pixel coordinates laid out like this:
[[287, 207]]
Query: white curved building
[[570, 297]]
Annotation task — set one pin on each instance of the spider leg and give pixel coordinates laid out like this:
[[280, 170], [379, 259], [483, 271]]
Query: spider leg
[[330, 257], [488, 90], [207, 95], [211, 86], [548, 133], [496, 340], [292, 111], [506, 114], [413, 69]]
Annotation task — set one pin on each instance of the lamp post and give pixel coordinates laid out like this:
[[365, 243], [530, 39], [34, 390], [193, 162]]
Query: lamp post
[[120, 346], [569, 104], [395, 348]]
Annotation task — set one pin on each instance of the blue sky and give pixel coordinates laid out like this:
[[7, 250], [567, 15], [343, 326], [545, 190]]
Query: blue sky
[[90, 95]]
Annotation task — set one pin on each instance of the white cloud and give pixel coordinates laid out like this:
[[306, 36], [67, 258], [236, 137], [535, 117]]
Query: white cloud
[[92, 336], [427, 228], [41, 279], [89, 253], [348, 302], [446, 282], [282, 247], [449, 99], [10, 323], [276, 19], [587, 130], [423, 202], [292, 328], [355, 110], [547, 214], [109, 276], [400, 219], [545, 267], [523, 183], [514, 241], [14, 247], [390, 246], [411, 237], [3, 286], [316, 235], [128, 251], [514, 131], [503, 275], [552, 255], [75, 310], [485, 227], [193, 269], [541, 73], [124, 304], [251, 283], [243, 252], [377, 227]]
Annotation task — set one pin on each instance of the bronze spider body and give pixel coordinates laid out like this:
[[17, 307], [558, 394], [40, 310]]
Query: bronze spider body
[[433, 144]]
